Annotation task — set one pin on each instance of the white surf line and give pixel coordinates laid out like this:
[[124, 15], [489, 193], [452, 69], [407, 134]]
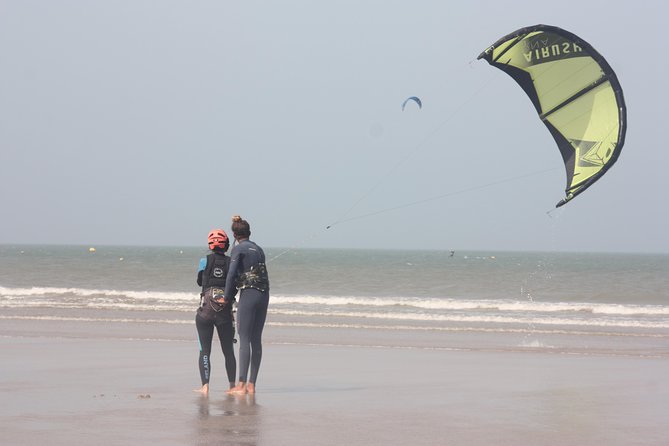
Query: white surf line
[[466, 329], [97, 319], [490, 319], [349, 326], [517, 349]]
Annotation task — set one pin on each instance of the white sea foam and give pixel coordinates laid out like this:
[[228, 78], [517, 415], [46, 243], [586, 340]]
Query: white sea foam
[[391, 327], [98, 319], [530, 319], [534, 344], [52, 291], [396, 316], [101, 305], [456, 304], [342, 301], [389, 308]]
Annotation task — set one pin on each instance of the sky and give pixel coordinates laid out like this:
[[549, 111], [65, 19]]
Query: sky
[[135, 122]]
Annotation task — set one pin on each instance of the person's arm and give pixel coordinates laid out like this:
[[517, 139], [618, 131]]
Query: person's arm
[[231, 279], [200, 270]]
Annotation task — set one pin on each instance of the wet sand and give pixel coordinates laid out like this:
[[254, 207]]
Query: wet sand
[[125, 389]]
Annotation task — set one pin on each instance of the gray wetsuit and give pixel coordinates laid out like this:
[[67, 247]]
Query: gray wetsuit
[[248, 273]]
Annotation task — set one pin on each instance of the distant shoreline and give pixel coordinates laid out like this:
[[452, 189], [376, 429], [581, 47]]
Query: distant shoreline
[[275, 249]]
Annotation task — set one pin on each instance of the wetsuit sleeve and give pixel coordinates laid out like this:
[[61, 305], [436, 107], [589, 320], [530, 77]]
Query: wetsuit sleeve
[[230, 287], [200, 270]]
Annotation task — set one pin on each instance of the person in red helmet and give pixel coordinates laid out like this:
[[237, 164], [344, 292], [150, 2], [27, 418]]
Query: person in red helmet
[[214, 311]]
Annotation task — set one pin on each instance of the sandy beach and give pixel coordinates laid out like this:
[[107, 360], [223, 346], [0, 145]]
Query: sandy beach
[[116, 385]]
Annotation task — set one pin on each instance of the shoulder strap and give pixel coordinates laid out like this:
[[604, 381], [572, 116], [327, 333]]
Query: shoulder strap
[[206, 272]]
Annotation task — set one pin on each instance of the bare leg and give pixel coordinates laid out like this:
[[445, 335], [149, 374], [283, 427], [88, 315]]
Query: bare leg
[[250, 388]]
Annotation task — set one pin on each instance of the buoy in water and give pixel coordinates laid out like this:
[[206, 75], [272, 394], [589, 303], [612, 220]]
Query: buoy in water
[[91, 249]]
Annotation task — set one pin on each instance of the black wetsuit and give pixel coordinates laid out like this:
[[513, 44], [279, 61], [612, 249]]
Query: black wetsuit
[[212, 274], [248, 273]]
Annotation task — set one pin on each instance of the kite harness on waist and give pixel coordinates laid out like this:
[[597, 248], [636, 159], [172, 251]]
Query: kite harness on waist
[[256, 278]]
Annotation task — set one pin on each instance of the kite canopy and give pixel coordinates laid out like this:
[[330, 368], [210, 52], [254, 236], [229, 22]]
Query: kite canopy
[[576, 93], [412, 98]]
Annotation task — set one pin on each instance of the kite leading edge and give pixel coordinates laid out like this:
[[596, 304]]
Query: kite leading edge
[[576, 94], [414, 99]]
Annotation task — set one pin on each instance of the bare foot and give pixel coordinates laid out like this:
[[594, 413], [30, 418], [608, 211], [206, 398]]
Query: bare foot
[[239, 389], [251, 388], [204, 390]]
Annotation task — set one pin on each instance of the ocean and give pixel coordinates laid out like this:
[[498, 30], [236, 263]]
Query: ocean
[[545, 300]]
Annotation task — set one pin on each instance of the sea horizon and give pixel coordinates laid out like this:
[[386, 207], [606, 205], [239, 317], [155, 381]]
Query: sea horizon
[[330, 248]]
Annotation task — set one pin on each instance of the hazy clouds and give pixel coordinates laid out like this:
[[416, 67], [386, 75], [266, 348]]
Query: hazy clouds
[[141, 122]]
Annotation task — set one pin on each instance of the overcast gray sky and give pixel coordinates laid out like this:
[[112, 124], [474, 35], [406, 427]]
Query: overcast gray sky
[[151, 122]]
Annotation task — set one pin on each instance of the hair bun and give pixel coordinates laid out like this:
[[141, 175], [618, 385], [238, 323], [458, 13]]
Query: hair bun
[[236, 218]]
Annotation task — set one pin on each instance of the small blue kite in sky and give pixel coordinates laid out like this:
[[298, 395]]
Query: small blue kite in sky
[[414, 99]]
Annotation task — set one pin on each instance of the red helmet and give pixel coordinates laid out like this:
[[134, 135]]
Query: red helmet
[[218, 239]]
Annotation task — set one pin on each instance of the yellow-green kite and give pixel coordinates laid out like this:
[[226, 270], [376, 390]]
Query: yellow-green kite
[[576, 93]]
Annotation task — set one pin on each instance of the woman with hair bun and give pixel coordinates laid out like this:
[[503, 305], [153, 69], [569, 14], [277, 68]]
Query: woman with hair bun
[[248, 274]]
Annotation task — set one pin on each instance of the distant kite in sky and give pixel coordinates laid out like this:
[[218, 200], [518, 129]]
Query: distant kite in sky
[[414, 99], [576, 94]]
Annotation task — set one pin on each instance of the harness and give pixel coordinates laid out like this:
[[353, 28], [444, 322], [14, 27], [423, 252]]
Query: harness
[[256, 278], [213, 282]]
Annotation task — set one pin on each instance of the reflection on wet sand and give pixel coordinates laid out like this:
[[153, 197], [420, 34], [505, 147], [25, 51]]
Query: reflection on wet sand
[[232, 420]]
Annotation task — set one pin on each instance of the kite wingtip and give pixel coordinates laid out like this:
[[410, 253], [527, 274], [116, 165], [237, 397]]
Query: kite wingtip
[[565, 200], [485, 54]]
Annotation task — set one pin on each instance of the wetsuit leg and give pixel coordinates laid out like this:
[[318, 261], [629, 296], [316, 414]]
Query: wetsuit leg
[[256, 335], [226, 334], [205, 333], [251, 315]]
